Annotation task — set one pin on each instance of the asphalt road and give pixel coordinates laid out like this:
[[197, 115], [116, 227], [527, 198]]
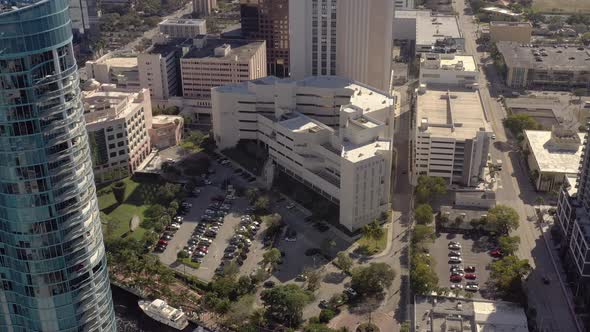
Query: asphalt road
[[551, 302]]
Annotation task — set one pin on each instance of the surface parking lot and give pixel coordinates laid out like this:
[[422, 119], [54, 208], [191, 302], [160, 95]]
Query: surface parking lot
[[473, 252], [214, 256]]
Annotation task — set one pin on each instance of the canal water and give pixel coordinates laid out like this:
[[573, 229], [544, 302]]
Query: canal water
[[131, 319]]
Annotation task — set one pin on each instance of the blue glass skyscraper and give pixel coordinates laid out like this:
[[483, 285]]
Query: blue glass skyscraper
[[53, 274]]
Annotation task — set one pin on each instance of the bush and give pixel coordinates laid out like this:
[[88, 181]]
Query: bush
[[326, 315], [182, 254]]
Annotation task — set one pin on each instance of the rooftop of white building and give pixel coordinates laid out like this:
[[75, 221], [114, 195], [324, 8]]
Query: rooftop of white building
[[431, 27], [553, 157], [122, 62], [107, 103], [182, 21], [461, 116], [355, 153], [448, 62], [299, 123]]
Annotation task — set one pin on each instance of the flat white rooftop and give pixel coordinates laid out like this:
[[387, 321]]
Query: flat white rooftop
[[356, 153], [449, 61], [301, 123], [123, 62], [499, 317], [430, 28], [183, 21], [551, 158], [461, 116]]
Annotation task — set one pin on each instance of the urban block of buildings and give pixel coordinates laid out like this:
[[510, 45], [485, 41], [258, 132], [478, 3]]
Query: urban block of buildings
[[183, 28], [551, 108], [451, 136], [117, 122], [536, 66], [53, 266], [432, 33], [159, 69], [268, 20], [552, 154], [450, 69], [519, 32], [573, 220], [213, 62], [344, 38], [330, 133], [445, 313]]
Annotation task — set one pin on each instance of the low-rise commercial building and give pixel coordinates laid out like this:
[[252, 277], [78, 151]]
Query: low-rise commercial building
[[451, 135], [519, 32], [451, 69], [183, 28], [433, 33], [551, 108], [112, 69], [551, 155], [166, 131], [450, 313], [557, 67], [214, 62], [117, 122], [330, 133]]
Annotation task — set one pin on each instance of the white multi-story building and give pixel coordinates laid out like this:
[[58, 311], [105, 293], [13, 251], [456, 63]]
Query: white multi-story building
[[431, 32], [450, 69], [342, 37], [114, 69], [159, 72], [333, 134], [117, 122], [183, 28], [451, 135]]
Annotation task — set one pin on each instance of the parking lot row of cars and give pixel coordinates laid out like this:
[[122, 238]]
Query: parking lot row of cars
[[239, 245], [172, 228], [238, 171], [458, 272]]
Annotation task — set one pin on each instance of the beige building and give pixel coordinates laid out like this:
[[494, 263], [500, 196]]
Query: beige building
[[449, 69], [204, 7], [166, 131], [519, 32], [117, 122], [183, 28], [113, 69], [214, 62], [551, 155]]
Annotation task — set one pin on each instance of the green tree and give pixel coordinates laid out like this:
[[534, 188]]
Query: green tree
[[405, 327], [373, 231], [372, 279], [273, 223], [586, 38], [423, 278], [327, 246], [313, 277], [517, 123], [150, 237], [271, 257], [344, 261], [119, 191], [252, 194], [193, 141], [423, 214], [231, 270], [284, 304], [509, 244], [182, 254], [326, 315], [422, 234], [262, 203], [154, 211], [239, 312], [502, 219], [506, 274], [429, 187]]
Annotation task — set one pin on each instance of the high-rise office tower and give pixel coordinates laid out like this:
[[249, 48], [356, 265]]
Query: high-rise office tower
[[349, 38], [85, 16], [269, 20], [52, 260], [204, 7]]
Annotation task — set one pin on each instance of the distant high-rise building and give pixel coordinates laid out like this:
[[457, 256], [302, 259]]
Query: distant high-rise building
[[350, 38], [53, 267], [204, 7], [85, 17], [269, 20]]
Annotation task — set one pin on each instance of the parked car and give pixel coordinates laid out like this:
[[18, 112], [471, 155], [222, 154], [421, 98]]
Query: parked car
[[456, 278], [470, 268], [269, 284], [496, 253], [163, 242], [454, 243], [301, 277], [455, 253], [160, 248], [230, 249], [470, 276], [324, 304], [455, 246], [229, 255], [456, 286], [455, 259], [350, 293], [457, 273], [456, 267], [178, 219], [472, 287]]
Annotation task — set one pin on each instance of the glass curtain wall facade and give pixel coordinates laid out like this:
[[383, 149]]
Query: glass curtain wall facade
[[52, 262]]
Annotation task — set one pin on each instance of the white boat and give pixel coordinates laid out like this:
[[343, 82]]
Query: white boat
[[160, 311]]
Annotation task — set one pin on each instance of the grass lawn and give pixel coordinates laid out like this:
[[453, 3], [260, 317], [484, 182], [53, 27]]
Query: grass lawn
[[120, 215], [187, 261], [373, 246]]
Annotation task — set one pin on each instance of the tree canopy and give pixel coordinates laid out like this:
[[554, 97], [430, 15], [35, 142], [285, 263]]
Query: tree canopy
[[284, 304], [343, 261], [517, 123], [423, 278], [372, 279], [423, 214], [509, 244], [429, 187], [507, 274], [503, 219]]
